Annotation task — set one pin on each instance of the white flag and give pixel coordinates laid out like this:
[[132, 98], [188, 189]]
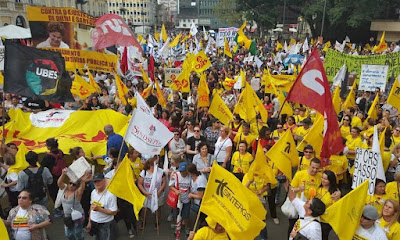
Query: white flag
[[193, 30], [376, 148], [205, 33], [258, 62], [337, 80], [145, 133], [305, 46], [285, 47], [339, 46]]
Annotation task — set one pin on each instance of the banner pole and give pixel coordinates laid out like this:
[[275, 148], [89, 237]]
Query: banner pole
[[3, 117], [197, 221]]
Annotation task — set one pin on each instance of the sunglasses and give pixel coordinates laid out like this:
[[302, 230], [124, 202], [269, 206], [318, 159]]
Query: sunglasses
[[22, 197], [176, 134], [366, 218], [308, 152], [346, 119], [197, 130], [73, 184]]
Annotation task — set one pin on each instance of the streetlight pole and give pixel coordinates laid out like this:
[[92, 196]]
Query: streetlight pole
[[142, 17], [323, 19]]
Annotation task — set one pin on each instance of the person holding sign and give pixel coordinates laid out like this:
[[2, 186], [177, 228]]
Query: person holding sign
[[388, 221]]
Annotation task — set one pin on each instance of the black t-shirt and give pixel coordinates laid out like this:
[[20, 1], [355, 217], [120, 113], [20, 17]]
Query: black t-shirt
[[193, 142], [35, 104]]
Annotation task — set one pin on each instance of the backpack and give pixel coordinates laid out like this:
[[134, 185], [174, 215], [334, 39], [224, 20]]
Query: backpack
[[59, 163], [36, 184]]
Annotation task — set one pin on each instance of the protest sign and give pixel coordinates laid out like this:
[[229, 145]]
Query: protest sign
[[2, 52], [228, 33], [365, 168], [334, 60], [67, 30], [373, 76], [170, 75]]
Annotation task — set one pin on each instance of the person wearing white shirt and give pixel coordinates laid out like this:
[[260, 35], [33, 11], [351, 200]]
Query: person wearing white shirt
[[308, 224], [56, 33], [102, 210], [223, 147], [369, 229]]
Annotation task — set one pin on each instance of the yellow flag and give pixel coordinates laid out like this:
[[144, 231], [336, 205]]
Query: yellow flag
[[279, 46], [81, 88], [3, 231], [382, 46], [368, 47], [227, 49], [92, 82], [232, 205], [144, 75], [394, 95], [203, 92], [236, 48], [268, 81], [122, 89], [160, 96], [20, 162], [292, 41], [373, 111], [344, 215], [181, 83], [219, 110], [201, 62], [146, 92], [286, 109], [327, 46], [313, 41], [261, 167], [382, 141], [249, 105], [123, 186], [229, 83], [336, 100], [175, 41], [156, 34], [351, 98], [187, 36], [284, 154], [314, 137], [242, 27], [1, 79], [139, 38], [164, 35], [280, 82]]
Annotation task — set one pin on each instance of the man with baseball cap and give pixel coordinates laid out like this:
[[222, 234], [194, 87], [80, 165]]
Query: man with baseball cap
[[368, 228]]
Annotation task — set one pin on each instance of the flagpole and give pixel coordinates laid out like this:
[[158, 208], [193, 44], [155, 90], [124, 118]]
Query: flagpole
[[197, 220], [3, 118]]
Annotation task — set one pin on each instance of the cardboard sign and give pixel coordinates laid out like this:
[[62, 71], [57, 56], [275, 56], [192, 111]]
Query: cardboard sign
[[373, 76]]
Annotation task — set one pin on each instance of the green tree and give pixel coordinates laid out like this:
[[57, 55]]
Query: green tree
[[226, 10]]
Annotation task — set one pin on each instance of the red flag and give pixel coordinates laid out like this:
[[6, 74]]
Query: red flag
[[112, 30], [312, 89], [151, 68], [124, 61]]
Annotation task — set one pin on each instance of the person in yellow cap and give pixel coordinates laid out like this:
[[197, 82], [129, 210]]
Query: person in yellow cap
[[214, 231]]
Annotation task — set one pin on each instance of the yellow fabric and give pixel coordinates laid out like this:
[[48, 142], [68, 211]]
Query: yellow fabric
[[123, 186], [3, 231], [373, 111], [227, 50], [201, 62], [336, 100], [279, 46], [386, 156], [82, 128], [276, 134], [280, 82], [241, 163], [229, 83], [344, 215], [351, 98], [203, 92], [175, 41], [240, 223], [217, 91], [392, 191], [394, 95], [261, 168], [300, 131], [268, 82], [219, 110], [81, 88], [345, 130], [147, 92], [206, 233], [314, 136], [292, 41], [392, 232], [1, 79], [303, 163], [382, 46], [160, 95], [356, 122], [395, 141], [377, 201], [144, 75], [249, 105], [156, 34], [122, 89], [310, 182], [136, 165], [325, 196], [93, 82], [338, 164], [327, 45], [20, 162], [286, 108], [164, 35], [382, 142], [182, 82], [257, 185], [352, 144], [284, 154], [250, 138]]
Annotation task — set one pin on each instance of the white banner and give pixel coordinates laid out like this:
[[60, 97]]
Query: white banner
[[2, 52], [145, 133], [373, 76], [50, 118], [229, 33]]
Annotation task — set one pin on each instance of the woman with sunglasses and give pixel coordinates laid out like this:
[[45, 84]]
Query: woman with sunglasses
[[396, 136], [71, 201], [28, 220], [389, 219], [345, 127]]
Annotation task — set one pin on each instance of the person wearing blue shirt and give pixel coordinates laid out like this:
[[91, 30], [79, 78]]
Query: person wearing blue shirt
[[113, 141]]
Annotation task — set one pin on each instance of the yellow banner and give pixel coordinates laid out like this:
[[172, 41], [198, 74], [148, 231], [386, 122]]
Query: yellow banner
[[79, 59], [57, 14], [219, 110]]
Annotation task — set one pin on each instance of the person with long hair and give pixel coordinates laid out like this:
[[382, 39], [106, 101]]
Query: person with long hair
[[203, 160], [345, 126], [197, 188], [389, 219], [241, 160], [392, 188], [325, 191], [379, 197], [223, 147]]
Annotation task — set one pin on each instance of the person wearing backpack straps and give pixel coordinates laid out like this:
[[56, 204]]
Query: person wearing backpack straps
[[34, 179]]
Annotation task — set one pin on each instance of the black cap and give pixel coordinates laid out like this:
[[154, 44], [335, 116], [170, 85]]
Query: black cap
[[98, 177]]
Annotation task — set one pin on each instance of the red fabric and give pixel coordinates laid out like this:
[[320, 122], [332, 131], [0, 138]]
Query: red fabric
[[124, 61], [151, 67], [312, 89], [112, 30]]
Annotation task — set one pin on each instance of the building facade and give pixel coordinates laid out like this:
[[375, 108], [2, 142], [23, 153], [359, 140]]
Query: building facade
[[200, 12], [14, 11]]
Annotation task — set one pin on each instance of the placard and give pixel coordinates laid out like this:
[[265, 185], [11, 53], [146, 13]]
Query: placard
[[170, 75], [229, 33], [365, 168], [373, 76]]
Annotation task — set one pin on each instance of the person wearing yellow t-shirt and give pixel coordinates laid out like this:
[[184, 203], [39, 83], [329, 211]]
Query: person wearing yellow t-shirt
[[379, 197], [246, 136], [255, 127], [355, 120], [135, 161], [278, 132], [299, 134], [368, 128], [308, 179], [345, 126], [352, 142], [339, 165], [389, 219], [241, 160], [304, 161], [214, 231], [395, 137], [393, 188], [302, 115]]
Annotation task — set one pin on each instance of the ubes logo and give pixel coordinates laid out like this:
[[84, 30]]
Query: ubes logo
[[224, 191], [42, 77]]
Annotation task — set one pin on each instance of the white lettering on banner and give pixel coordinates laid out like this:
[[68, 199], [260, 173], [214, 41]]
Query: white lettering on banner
[[115, 25], [365, 168], [229, 33], [373, 76], [50, 118], [46, 73]]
